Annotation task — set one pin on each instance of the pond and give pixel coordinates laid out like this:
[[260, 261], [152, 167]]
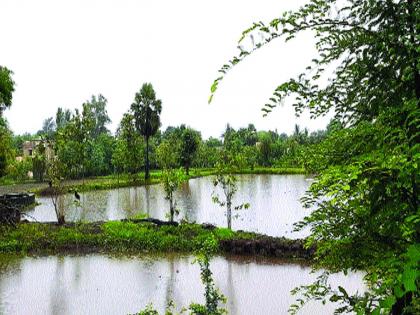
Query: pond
[[98, 284], [274, 204]]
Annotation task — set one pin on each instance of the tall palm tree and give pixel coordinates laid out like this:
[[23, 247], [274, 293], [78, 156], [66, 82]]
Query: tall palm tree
[[146, 110]]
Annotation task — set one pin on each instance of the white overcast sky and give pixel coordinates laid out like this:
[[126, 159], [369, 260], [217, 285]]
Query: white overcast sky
[[62, 52]]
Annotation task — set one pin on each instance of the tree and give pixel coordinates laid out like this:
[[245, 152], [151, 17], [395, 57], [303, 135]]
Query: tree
[[6, 147], [7, 87], [167, 153], [54, 172], [129, 147], [48, 128], [146, 111], [366, 195], [190, 141], [264, 148], [39, 161], [62, 117], [226, 179], [172, 179], [97, 107]]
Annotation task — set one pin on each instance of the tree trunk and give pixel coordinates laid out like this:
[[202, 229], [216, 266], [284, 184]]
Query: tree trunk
[[187, 169], [61, 220], [147, 174], [171, 209], [229, 213]]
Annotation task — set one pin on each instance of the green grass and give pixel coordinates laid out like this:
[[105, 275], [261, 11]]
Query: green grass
[[109, 236], [134, 237]]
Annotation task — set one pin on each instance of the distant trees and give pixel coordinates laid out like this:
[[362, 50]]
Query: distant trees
[[48, 128], [146, 110], [128, 155], [83, 142], [189, 143]]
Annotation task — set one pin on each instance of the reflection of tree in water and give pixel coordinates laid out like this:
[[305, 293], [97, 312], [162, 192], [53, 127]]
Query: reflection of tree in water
[[130, 201], [58, 301], [91, 207], [188, 200], [231, 289], [147, 198], [9, 265], [170, 283], [77, 272]]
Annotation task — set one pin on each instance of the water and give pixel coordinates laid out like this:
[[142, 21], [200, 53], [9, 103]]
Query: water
[[97, 284], [274, 201]]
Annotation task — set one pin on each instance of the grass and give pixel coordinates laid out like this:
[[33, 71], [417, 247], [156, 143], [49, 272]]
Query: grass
[[124, 180], [127, 236]]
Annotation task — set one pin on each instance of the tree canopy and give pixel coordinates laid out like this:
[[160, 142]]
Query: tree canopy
[[146, 110], [7, 87], [366, 194]]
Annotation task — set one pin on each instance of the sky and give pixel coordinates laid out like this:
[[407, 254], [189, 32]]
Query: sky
[[62, 52]]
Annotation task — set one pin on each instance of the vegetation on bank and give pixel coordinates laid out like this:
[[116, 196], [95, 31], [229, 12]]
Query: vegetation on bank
[[138, 236]]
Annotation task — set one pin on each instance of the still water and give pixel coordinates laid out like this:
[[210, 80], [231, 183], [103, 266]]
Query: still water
[[98, 284], [274, 204]]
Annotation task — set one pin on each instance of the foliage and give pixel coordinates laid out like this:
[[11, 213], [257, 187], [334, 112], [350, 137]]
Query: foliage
[[18, 170], [189, 143], [39, 161], [97, 106], [7, 87], [146, 110], [6, 147], [128, 153], [48, 128], [54, 173], [227, 181], [172, 179], [211, 293], [366, 196], [167, 154]]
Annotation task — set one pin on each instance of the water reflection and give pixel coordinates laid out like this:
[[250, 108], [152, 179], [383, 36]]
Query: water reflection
[[97, 284], [274, 201]]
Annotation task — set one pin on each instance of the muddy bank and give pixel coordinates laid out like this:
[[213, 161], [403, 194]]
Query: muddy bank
[[142, 236]]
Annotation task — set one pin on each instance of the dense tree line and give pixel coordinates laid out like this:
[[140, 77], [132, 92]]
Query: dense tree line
[[82, 142]]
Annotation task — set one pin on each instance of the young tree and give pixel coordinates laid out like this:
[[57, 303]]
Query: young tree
[[226, 179], [367, 209], [146, 111], [54, 172], [172, 178]]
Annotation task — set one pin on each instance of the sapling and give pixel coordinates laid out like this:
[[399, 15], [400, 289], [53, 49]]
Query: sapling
[[172, 179], [56, 188], [226, 179]]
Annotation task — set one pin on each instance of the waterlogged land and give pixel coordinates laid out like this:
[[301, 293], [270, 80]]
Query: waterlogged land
[[274, 204], [121, 284], [116, 181]]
